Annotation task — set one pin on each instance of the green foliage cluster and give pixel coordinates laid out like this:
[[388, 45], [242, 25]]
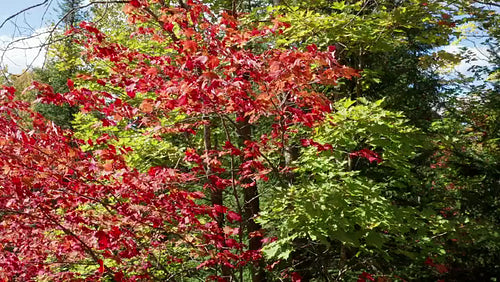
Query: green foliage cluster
[[346, 203], [148, 148]]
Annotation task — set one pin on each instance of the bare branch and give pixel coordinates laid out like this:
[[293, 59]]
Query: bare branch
[[51, 31], [22, 11], [488, 3]]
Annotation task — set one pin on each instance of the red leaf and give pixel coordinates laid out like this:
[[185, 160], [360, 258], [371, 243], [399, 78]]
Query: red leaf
[[182, 101], [219, 209], [168, 27], [429, 261], [102, 240], [234, 151], [441, 268], [231, 243], [191, 46], [312, 48], [232, 216], [213, 62], [146, 106], [306, 142], [131, 94], [119, 276], [71, 84], [108, 165], [135, 3], [363, 276], [101, 82], [367, 154], [115, 231], [296, 277], [101, 266]]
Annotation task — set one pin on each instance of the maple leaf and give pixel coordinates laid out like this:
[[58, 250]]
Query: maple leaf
[[232, 216], [103, 240], [312, 48], [135, 3], [147, 105], [368, 154], [364, 276], [71, 84], [296, 277], [101, 266], [119, 276], [441, 268], [220, 209]]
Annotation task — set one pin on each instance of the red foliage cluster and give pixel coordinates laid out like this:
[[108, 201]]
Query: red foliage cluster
[[441, 268], [368, 154], [365, 276], [61, 206]]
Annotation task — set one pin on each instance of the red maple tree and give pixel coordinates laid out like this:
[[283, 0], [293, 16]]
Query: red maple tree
[[61, 206]]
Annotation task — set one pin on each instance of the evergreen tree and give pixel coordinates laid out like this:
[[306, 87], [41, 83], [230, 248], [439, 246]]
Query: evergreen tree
[[70, 12], [63, 62]]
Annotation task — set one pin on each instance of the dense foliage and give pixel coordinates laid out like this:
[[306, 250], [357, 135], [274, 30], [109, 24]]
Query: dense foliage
[[233, 141]]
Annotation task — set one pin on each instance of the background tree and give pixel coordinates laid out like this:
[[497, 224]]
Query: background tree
[[63, 61]]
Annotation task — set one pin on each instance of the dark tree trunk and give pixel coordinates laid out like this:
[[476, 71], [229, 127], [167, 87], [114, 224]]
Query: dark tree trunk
[[216, 197], [251, 207]]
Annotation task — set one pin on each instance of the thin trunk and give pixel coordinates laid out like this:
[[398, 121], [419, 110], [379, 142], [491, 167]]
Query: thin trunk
[[251, 208], [234, 7], [215, 194], [291, 152], [342, 260], [358, 80], [235, 192]]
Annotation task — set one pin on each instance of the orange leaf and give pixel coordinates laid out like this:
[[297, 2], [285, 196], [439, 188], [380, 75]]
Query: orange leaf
[[108, 166], [147, 106]]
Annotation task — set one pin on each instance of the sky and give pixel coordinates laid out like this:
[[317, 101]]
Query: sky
[[31, 19], [33, 23], [30, 30]]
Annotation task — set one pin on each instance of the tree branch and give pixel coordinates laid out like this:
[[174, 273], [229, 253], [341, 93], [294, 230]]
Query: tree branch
[[22, 11]]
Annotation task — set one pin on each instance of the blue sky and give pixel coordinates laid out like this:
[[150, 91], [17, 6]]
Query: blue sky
[[31, 19], [28, 30], [34, 21]]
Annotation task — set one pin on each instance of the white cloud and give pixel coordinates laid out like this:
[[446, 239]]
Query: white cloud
[[20, 53]]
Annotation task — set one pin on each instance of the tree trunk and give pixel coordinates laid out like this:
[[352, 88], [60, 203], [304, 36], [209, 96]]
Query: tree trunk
[[251, 207], [216, 197], [215, 194]]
